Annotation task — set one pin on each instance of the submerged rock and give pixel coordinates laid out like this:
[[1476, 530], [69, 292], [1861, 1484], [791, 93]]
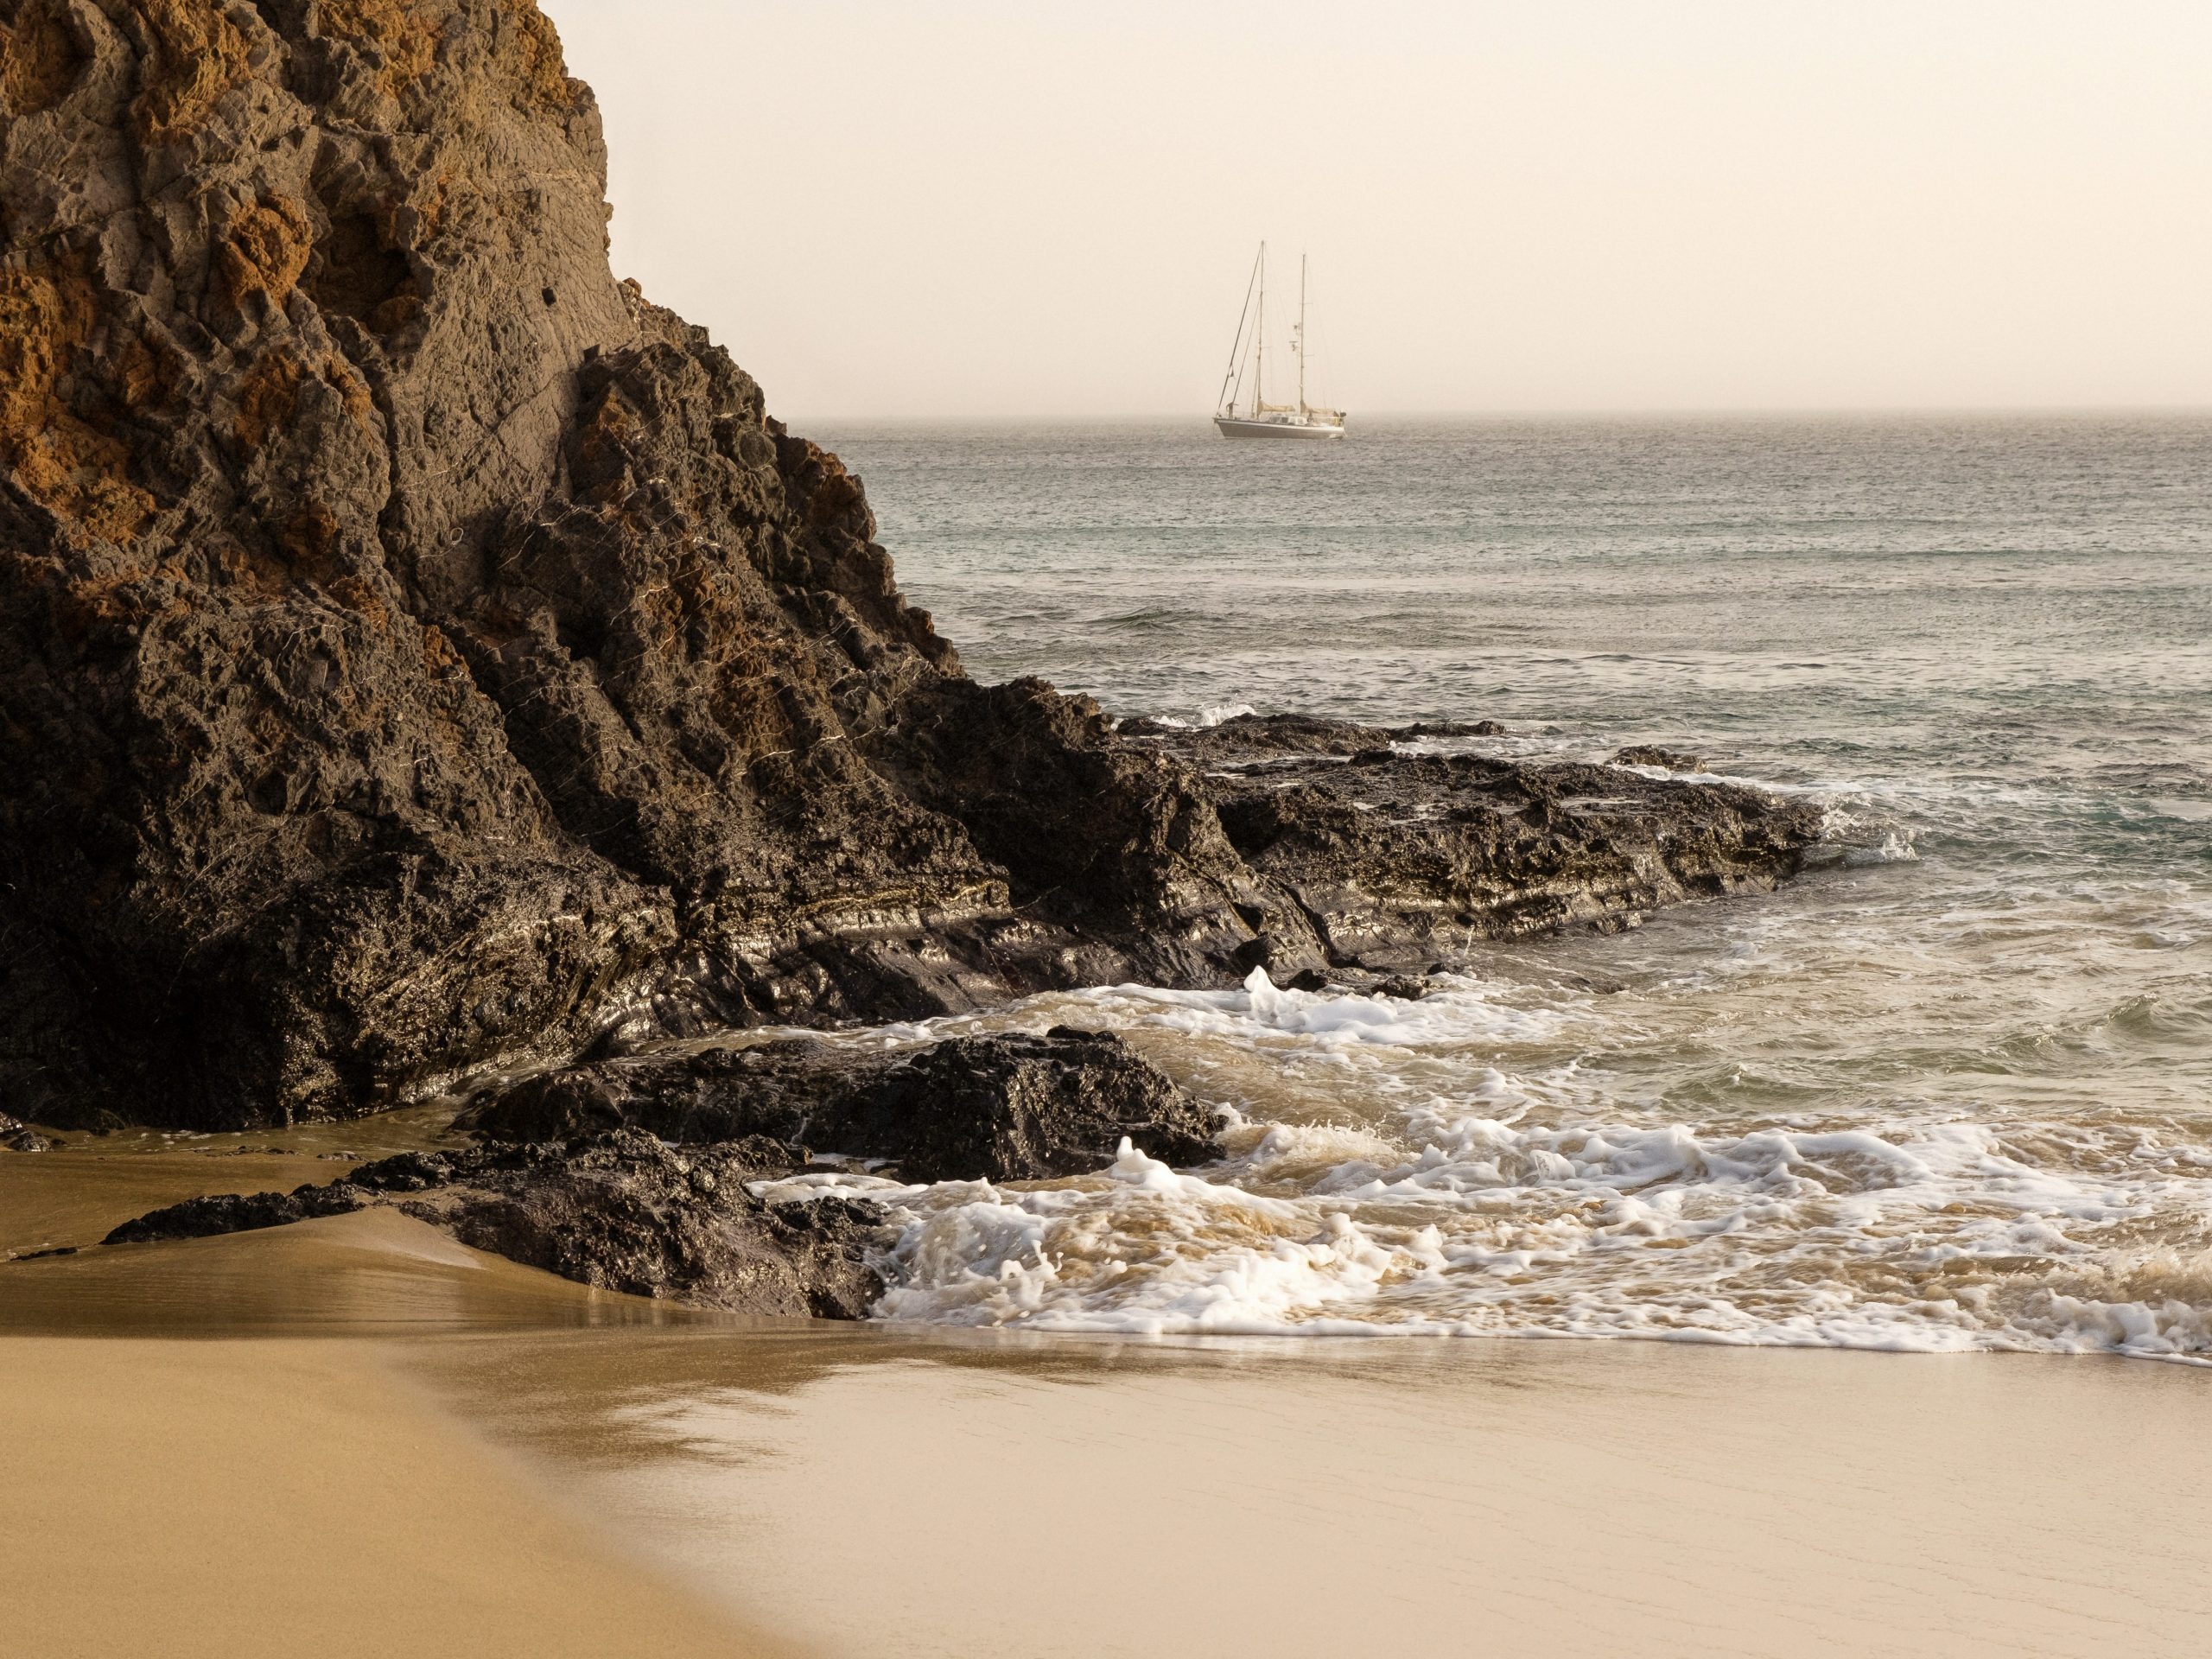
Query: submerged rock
[[1001, 1108], [422, 658], [619, 1210]]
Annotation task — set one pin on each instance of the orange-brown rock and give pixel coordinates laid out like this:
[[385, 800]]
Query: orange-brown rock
[[39, 59]]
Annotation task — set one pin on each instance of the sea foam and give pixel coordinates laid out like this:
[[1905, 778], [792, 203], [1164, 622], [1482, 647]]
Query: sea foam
[[1514, 1204]]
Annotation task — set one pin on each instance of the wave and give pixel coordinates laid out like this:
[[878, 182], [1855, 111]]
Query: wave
[[1511, 1205]]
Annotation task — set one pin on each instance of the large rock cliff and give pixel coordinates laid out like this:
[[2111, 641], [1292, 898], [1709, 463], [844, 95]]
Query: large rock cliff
[[420, 655]]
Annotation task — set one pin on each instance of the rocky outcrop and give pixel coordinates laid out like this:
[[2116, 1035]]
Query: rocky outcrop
[[20, 1137], [423, 658], [577, 1174], [1005, 1108], [619, 1210], [1397, 861], [1650, 754], [1243, 737]]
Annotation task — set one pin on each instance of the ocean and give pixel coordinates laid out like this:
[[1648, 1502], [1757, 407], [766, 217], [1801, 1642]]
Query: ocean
[[1950, 1090]]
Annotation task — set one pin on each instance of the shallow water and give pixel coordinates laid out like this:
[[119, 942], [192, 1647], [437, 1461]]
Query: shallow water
[[1951, 1089]]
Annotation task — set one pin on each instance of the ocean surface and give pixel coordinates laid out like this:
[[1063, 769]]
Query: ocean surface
[[1951, 1089]]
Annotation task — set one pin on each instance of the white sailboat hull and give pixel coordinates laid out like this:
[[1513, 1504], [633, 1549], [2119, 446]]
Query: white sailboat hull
[[1238, 426]]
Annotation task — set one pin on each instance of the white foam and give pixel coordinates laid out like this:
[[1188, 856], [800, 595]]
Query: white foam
[[1931, 1237], [1459, 1010]]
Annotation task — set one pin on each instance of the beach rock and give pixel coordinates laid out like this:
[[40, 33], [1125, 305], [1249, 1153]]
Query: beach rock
[[1650, 755], [1399, 863], [1019, 1108], [20, 1137], [624, 1212], [1243, 735], [1006, 1107], [422, 658], [238, 1213], [619, 1210]]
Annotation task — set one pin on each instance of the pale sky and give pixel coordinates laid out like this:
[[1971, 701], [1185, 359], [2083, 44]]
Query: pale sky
[[912, 209]]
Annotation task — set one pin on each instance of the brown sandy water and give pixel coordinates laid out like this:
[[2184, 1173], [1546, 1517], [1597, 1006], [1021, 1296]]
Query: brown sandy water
[[476, 1457]]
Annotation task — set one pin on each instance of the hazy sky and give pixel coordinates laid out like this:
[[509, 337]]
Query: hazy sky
[[1044, 208]]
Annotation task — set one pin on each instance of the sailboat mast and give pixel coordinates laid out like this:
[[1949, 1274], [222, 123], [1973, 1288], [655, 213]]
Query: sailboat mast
[[1301, 333], [1230, 382], [1259, 337]]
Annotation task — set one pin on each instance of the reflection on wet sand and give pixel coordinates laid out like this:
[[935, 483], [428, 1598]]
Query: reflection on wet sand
[[870, 1492], [228, 1499]]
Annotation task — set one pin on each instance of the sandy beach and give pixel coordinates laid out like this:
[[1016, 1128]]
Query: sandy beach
[[857, 1495], [1413, 1498], [276, 1496]]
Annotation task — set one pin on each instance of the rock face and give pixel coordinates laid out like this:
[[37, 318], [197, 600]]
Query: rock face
[[420, 656], [1006, 1107], [1399, 862], [619, 1210]]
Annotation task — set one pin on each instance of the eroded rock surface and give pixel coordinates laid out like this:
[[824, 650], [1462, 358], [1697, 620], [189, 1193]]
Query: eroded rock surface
[[420, 656], [1009, 1107], [576, 1175], [1395, 863], [619, 1210]]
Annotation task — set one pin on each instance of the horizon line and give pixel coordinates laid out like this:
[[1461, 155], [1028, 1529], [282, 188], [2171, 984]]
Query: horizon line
[[1744, 411]]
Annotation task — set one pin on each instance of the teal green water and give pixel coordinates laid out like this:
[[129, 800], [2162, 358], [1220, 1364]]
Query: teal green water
[[1952, 1088]]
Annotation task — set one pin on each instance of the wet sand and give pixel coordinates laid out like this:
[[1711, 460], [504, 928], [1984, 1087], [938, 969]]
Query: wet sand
[[235, 1499], [477, 1458], [1063, 1497]]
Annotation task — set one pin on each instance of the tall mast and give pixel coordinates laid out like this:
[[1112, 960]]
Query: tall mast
[[1259, 335], [1301, 333], [1229, 382]]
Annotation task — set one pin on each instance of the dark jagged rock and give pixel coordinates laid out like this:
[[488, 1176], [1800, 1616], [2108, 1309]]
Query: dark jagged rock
[[240, 1213], [626, 1213], [422, 658], [1009, 1107], [1244, 736], [619, 1210], [1397, 862], [721, 1093], [1650, 754], [20, 1137]]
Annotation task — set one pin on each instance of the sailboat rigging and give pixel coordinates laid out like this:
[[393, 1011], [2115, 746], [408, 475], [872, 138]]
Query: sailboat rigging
[[1257, 417]]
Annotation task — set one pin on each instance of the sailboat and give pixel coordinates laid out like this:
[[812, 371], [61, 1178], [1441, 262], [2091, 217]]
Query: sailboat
[[1259, 418]]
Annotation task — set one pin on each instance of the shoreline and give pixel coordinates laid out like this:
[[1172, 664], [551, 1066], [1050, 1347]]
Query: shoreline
[[398, 1442]]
